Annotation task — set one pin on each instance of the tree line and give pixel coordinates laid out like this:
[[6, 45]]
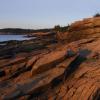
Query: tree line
[[22, 31]]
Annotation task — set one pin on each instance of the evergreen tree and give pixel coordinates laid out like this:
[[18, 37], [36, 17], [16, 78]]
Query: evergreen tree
[[97, 15]]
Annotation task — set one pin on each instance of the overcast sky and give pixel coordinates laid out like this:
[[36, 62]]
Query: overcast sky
[[44, 13]]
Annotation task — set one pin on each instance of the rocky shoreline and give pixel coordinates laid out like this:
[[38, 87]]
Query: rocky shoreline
[[48, 69]]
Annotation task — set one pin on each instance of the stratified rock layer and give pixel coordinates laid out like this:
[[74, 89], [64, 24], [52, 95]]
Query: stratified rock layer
[[86, 28], [89, 25]]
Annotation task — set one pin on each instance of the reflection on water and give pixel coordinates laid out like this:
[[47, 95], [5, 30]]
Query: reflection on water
[[12, 37]]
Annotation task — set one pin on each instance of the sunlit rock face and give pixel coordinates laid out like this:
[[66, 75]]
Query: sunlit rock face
[[92, 24], [86, 28]]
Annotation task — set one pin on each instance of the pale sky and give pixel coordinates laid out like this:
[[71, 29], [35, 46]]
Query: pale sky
[[44, 13]]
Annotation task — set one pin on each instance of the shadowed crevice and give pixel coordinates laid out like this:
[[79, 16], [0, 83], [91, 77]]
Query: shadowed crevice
[[74, 65]]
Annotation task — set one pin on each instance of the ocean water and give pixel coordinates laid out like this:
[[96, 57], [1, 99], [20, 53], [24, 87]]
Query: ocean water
[[12, 37]]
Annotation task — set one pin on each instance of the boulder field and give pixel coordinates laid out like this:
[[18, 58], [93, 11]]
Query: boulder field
[[65, 71]]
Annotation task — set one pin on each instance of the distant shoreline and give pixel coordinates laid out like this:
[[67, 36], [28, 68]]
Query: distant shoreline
[[18, 31]]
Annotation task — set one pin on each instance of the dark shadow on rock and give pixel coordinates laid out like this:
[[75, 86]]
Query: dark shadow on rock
[[2, 73], [97, 95], [82, 56], [70, 53], [84, 52]]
